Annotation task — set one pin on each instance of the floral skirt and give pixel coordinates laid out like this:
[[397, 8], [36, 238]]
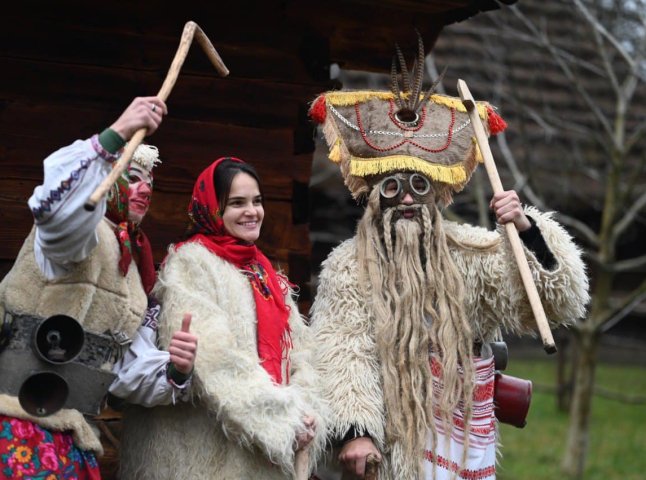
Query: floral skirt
[[30, 452]]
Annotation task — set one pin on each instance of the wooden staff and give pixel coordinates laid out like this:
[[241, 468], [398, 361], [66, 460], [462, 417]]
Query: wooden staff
[[510, 227], [191, 31]]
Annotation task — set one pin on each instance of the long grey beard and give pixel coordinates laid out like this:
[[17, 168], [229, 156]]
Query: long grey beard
[[403, 339]]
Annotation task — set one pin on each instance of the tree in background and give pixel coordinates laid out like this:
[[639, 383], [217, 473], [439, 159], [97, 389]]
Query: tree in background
[[570, 77]]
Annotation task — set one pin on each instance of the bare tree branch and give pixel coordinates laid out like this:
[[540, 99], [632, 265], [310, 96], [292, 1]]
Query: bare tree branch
[[637, 134], [565, 68], [621, 226], [510, 34], [634, 179], [602, 30], [601, 48], [628, 265], [581, 228], [627, 305]]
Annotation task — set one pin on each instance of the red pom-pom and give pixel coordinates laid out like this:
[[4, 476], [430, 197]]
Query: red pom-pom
[[496, 123], [317, 110]]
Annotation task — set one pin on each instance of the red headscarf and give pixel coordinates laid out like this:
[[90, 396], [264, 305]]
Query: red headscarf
[[272, 314], [130, 235]]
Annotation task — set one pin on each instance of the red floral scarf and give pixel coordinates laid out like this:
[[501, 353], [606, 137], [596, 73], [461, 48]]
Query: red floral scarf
[[273, 333], [126, 232]]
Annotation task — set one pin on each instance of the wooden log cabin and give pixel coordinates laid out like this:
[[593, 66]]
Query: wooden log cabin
[[69, 68]]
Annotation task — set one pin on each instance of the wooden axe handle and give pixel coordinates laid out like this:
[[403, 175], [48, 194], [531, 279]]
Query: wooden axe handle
[[512, 232], [191, 30]]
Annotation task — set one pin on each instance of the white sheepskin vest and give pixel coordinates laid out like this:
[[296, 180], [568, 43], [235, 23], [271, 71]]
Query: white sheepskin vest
[[94, 293], [239, 425]]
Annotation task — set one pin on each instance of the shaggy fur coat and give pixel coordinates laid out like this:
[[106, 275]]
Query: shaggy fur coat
[[94, 293], [239, 424], [495, 300]]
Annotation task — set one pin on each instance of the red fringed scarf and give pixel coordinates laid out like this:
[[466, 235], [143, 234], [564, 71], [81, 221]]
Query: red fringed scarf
[[126, 232], [273, 333]]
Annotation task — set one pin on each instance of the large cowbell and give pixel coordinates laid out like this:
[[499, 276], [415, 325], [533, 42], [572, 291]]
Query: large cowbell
[[53, 363]]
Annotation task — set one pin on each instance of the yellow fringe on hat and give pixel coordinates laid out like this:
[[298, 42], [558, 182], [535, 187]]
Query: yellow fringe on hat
[[344, 99], [450, 174]]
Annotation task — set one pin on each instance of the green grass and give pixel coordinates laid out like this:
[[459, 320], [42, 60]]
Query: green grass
[[617, 443]]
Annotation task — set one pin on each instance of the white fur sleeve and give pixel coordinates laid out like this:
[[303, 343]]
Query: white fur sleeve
[[228, 377], [495, 292], [345, 350]]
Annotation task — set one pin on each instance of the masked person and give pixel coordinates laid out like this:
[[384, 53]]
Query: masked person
[[95, 267], [253, 401], [405, 309]]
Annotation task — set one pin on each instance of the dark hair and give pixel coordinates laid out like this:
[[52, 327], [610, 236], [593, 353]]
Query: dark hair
[[223, 178]]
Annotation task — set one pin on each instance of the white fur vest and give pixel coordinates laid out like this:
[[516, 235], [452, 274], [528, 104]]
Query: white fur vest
[[239, 424], [94, 293], [495, 299]]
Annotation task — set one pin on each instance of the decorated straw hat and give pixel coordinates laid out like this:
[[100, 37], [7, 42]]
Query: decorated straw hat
[[374, 133]]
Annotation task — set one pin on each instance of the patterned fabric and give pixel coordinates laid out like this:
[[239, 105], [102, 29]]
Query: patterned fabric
[[481, 455], [117, 212], [56, 195], [151, 319], [274, 341], [27, 451]]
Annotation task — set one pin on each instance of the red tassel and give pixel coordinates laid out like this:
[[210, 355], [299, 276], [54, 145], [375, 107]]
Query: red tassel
[[317, 110], [496, 123]]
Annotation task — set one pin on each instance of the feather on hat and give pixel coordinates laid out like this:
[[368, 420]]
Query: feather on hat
[[378, 132]]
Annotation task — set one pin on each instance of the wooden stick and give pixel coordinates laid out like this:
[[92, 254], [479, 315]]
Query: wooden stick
[[302, 464], [510, 227], [191, 31]]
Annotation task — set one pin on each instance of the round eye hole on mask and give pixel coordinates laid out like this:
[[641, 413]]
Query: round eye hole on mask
[[419, 184], [390, 187]]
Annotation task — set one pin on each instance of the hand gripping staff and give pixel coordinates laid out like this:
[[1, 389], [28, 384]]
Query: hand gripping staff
[[191, 31], [512, 233], [301, 466]]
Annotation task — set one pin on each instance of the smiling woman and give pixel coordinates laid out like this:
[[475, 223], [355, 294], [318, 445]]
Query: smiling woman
[[254, 401], [243, 212]]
